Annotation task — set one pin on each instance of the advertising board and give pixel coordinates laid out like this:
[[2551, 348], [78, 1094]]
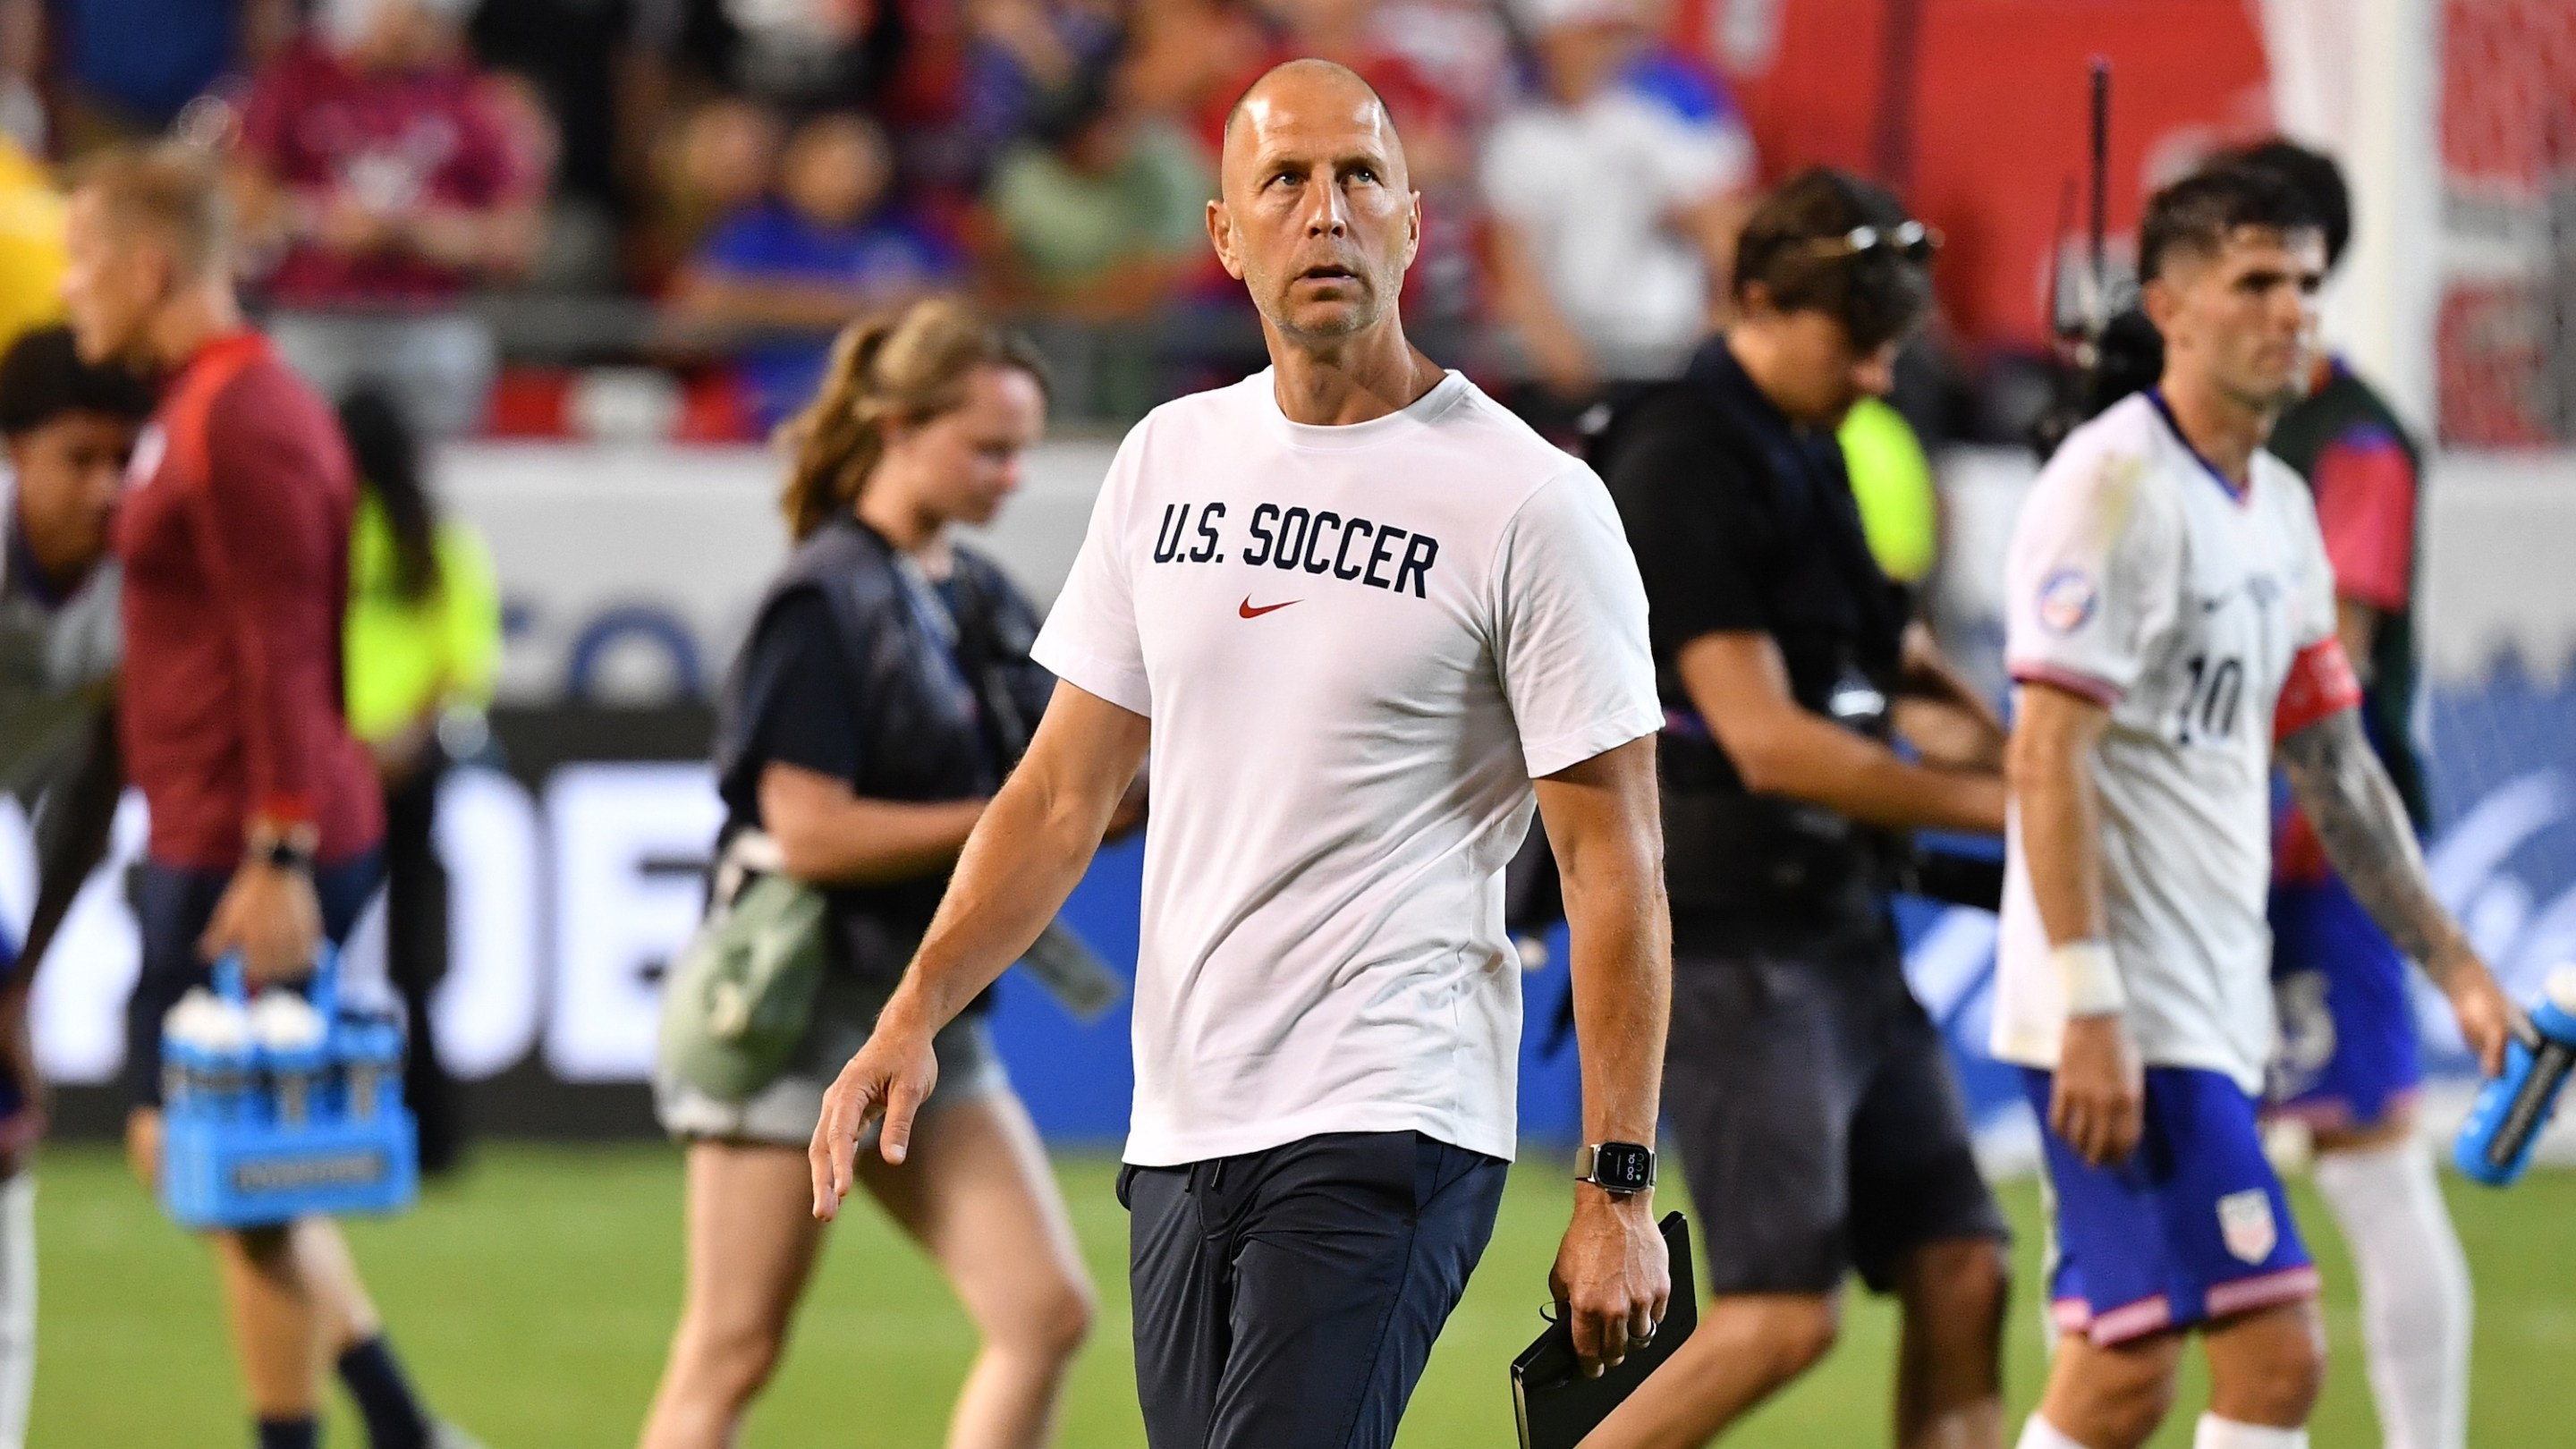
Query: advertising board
[[575, 858]]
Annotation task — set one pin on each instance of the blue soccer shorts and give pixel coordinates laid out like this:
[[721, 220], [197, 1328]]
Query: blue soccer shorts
[[2193, 1227], [2348, 1054]]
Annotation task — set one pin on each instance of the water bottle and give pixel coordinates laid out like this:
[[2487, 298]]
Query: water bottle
[[185, 1080], [227, 1066], [374, 1064], [2495, 1143], [290, 1035]]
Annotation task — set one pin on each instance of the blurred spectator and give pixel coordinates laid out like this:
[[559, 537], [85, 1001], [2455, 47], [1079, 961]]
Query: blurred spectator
[[827, 248], [1021, 56], [31, 244], [1356, 33], [718, 159], [1678, 68], [122, 69], [1187, 60], [571, 245], [602, 68], [1458, 47], [796, 55], [390, 170], [1103, 213], [1615, 213], [423, 650]]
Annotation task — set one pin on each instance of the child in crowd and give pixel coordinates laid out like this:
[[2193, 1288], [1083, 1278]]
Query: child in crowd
[[823, 248]]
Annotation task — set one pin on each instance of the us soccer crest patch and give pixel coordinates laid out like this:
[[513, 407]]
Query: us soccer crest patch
[[2245, 1224], [2066, 600]]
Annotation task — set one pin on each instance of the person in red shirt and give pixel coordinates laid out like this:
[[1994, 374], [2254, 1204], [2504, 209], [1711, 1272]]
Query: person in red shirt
[[267, 825], [389, 171]]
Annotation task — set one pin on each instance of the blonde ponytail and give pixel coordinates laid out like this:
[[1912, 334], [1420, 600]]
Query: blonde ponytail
[[909, 366]]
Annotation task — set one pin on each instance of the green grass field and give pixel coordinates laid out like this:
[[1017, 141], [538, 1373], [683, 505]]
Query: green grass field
[[533, 1299]]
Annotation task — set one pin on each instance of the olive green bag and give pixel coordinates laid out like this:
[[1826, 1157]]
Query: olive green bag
[[741, 994]]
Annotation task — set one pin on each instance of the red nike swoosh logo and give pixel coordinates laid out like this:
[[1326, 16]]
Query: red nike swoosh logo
[[1250, 612]]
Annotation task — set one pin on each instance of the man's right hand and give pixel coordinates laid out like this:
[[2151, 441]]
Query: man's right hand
[[2099, 1103], [271, 916], [892, 1075], [1613, 1278]]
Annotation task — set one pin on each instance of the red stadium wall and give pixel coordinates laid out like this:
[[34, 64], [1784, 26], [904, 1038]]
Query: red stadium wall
[[1975, 111], [2508, 143]]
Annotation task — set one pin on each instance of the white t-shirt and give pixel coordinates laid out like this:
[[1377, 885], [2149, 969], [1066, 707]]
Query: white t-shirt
[[1590, 187], [2205, 622], [1357, 646]]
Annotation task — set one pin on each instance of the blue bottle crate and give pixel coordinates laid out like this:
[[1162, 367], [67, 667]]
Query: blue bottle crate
[[238, 1156]]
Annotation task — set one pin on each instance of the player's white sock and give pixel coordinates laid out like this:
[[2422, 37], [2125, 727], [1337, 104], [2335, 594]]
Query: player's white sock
[[2217, 1433], [2038, 1433], [2414, 1290], [17, 1305]]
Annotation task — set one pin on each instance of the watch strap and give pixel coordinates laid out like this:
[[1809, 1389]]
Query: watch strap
[[1587, 1166]]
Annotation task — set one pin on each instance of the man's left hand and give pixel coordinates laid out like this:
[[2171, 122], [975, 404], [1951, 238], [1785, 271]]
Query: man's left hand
[[1612, 1279], [271, 916]]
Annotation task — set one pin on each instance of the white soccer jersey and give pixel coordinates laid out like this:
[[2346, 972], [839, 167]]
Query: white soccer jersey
[[2205, 622], [1357, 646]]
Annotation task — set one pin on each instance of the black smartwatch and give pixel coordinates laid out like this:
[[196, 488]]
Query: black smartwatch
[[283, 854], [1621, 1169]]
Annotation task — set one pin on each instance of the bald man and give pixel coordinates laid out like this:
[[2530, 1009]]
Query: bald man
[[1367, 621]]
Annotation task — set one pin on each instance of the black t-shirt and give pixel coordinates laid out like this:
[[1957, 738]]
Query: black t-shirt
[[1743, 522], [850, 675], [799, 702], [1727, 543]]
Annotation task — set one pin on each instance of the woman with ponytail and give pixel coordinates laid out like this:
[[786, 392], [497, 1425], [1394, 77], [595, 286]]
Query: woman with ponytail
[[884, 691]]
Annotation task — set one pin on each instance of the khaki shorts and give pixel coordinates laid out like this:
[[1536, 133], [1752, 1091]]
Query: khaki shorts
[[784, 1112]]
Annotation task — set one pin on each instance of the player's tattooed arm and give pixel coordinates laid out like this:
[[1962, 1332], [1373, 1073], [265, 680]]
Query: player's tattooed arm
[[2340, 784], [2345, 791]]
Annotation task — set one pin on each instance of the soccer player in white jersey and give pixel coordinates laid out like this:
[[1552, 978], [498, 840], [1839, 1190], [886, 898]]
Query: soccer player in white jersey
[[1364, 617], [66, 429], [2172, 628]]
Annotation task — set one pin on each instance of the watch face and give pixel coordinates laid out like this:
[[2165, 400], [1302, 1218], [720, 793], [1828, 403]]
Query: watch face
[[1623, 1167]]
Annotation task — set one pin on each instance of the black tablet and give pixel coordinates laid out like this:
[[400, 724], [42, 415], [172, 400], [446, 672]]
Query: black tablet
[[1552, 1400]]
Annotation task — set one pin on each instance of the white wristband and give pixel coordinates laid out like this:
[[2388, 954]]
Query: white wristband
[[2090, 976]]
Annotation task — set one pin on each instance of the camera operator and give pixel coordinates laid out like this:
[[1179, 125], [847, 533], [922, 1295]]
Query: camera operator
[[1807, 1090]]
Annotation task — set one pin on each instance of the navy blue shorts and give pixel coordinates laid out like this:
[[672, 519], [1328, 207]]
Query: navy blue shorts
[[172, 905], [2348, 1055], [2192, 1227], [1288, 1299]]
